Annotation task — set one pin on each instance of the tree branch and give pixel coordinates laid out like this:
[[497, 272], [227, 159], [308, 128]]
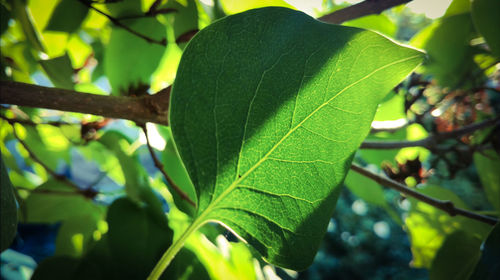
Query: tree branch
[[444, 205], [159, 165], [149, 108], [364, 8], [432, 141]]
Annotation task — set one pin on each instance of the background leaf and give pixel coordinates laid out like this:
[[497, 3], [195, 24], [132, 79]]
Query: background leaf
[[8, 209], [485, 15], [267, 148]]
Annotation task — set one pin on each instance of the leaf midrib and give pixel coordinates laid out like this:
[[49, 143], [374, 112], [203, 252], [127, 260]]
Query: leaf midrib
[[235, 183]]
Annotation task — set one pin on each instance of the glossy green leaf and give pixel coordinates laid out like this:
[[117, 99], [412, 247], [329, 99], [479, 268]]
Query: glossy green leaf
[[67, 16], [485, 15], [267, 110], [428, 227], [487, 164], [8, 209], [488, 267], [456, 258], [60, 71]]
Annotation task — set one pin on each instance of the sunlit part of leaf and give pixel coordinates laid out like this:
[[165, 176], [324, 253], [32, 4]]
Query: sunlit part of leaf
[[487, 163], [428, 227], [233, 7], [456, 258], [267, 110], [380, 23], [8, 209], [485, 15]]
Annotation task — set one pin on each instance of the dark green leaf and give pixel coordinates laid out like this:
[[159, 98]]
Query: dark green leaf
[[456, 258], [136, 241], [267, 110], [56, 268], [60, 71], [8, 209], [485, 15], [68, 16], [487, 163], [488, 267]]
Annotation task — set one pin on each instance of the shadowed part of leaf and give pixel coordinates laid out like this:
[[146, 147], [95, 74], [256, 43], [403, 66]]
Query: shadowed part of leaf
[[267, 110]]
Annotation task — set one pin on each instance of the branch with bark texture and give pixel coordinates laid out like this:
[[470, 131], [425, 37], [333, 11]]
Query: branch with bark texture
[[444, 205], [432, 141], [149, 108]]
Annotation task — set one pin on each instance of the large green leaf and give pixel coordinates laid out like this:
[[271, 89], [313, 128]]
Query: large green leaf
[[267, 110], [485, 15]]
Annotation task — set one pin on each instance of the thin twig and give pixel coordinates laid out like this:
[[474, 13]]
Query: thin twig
[[159, 165], [431, 141], [367, 7], [444, 205], [162, 42], [35, 158], [32, 123]]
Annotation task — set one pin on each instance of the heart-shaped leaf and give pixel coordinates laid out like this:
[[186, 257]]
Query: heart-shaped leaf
[[267, 110]]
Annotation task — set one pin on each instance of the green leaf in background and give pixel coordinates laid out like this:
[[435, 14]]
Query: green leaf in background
[[175, 169], [447, 44], [487, 163], [485, 14], [65, 267], [380, 23], [136, 239], [371, 192], [456, 258], [60, 71], [53, 202], [8, 209], [67, 16], [142, 58], [428, 227], [488, 267], [278, 103]]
